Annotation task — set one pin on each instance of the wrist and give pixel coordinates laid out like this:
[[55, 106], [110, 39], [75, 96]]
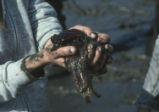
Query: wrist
[[33, 65], [34, 61]]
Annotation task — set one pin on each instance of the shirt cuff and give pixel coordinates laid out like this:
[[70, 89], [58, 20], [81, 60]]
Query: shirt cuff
[[14, 77], [47, 37]]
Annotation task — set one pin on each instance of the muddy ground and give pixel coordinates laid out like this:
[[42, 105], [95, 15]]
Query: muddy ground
[[128, 22]]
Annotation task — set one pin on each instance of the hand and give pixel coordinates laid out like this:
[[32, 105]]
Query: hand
[[36, 62], [97, 59]]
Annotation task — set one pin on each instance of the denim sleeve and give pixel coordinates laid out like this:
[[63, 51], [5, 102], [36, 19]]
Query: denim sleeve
[[151, 84], [44, 21], [150, 90], [12, 78]]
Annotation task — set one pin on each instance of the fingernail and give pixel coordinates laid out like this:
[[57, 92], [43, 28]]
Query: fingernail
[[106, 46], [99, 48], [72, 50], [109, 47], [92, 35], [90, 46]]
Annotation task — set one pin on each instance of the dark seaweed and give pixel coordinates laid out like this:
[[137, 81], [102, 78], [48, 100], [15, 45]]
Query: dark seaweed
[[78, 64]]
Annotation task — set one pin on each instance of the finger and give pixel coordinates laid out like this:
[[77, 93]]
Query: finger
[[60, 62], [88, 31], [103, 38], [108, 47], [91, 52], [103, 68], [100, 66], [97, 55], [64, 51], [93, 35]]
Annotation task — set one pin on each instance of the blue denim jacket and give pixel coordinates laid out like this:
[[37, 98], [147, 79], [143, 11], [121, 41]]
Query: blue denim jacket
[[29, 24]]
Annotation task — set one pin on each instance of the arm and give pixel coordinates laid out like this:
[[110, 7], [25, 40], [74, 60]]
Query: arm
[[148, 97], [12, 77], [151, 84], [12, 74], [15, 75], [45, 25], [44, 22]]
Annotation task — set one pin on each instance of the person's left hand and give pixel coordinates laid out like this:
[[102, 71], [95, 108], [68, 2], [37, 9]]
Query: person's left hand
[[97, 59]]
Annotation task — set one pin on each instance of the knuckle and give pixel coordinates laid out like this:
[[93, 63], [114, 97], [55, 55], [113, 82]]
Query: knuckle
[[78, 25], [89, 30], [106, 35], [99, 48], [90, 47]]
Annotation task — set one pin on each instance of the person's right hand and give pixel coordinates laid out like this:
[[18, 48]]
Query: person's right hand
[[39, 60]]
